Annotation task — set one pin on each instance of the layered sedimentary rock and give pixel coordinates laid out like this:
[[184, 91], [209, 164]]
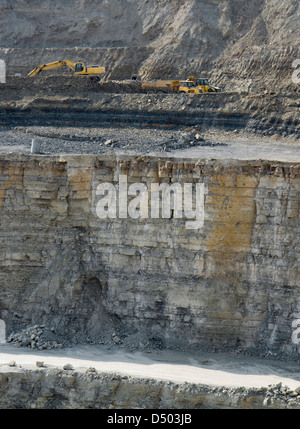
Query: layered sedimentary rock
[[59, 389], [231, 283]]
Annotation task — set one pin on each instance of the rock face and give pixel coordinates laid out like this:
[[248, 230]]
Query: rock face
[[243, 47], [231, 283], [69, 389]]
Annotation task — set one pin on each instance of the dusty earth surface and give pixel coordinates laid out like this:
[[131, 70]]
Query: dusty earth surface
[[183, 142], [216, 369]]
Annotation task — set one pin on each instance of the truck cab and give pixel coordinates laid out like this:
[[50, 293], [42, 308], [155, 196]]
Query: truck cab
[[188, 87], [205, 86]]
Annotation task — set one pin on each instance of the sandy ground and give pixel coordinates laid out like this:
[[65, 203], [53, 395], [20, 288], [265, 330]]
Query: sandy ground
[[179, 367]]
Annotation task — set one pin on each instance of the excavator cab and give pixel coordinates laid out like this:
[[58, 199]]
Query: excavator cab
[[79, 68], [93, 71]]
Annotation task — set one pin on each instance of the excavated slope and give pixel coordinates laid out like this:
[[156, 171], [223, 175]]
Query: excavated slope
[[247, 45]]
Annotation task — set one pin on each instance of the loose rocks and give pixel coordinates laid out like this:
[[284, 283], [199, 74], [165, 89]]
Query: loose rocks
[[35, 337], [68, 367]]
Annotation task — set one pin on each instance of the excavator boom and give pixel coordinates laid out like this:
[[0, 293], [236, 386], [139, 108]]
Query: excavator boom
[[53, 65]]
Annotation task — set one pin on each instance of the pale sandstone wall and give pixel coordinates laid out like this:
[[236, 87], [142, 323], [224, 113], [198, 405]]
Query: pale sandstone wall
[[233, 284]]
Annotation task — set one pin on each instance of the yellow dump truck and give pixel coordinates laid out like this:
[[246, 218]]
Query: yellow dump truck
[[203, 84], [78, 68], [167, 86], [161, 86], [188, 87]]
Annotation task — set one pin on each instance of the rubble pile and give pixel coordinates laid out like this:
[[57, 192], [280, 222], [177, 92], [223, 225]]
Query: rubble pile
[[279, 393], [35, 337]]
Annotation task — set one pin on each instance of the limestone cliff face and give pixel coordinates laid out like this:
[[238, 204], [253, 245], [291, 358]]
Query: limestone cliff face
[[233, 283]]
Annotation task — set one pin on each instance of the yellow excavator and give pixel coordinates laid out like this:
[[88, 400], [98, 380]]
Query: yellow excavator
[[78, 68]]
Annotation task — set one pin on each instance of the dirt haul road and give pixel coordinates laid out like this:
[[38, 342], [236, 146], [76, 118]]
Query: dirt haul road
[[218, 369]]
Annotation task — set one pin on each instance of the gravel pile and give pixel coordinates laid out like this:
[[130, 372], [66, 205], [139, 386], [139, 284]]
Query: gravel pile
[[36, 337], [100, 140], [278, 392]]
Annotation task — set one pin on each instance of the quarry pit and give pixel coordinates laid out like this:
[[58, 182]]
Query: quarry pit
[[153, 311], [174, 310], [149, 243]]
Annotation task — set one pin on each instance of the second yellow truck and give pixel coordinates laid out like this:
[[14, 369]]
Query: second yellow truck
[[165, 86]]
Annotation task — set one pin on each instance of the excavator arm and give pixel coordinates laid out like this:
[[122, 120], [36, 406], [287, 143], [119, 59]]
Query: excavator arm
[[53, 65]]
